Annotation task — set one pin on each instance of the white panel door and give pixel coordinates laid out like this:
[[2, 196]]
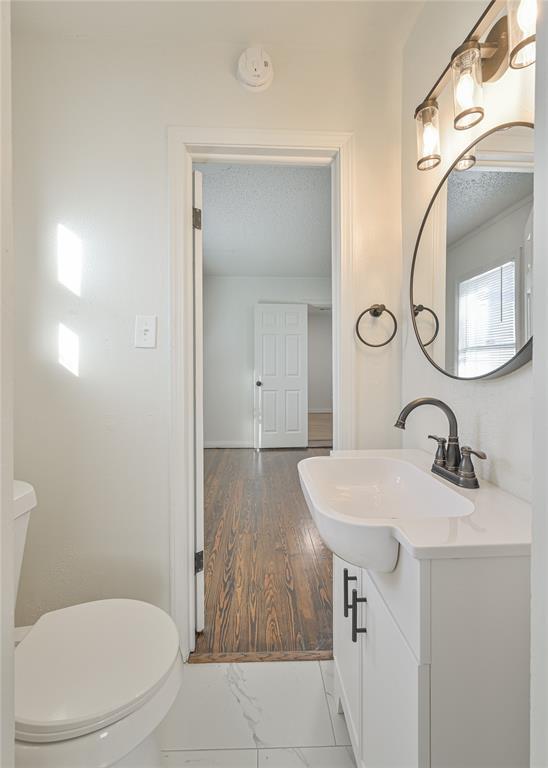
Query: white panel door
[[199, 402], [281, 375]]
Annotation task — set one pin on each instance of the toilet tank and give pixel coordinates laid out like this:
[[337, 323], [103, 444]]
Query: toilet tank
[[24, 501]]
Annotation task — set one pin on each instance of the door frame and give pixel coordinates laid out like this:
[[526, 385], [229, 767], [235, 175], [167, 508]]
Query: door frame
[[185, 147]]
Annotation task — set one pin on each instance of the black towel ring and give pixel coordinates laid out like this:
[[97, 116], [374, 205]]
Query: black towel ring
[[376, 310], [417, 308]]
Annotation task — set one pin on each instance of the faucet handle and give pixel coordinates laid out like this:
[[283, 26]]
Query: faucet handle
[[441, 457], [466, 474], [439, 440], [466, 451]]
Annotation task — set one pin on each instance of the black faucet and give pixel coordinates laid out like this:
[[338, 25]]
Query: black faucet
[[450, 463]]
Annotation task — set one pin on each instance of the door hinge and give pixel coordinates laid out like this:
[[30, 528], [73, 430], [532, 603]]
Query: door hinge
[[197, 218], [199, 561]]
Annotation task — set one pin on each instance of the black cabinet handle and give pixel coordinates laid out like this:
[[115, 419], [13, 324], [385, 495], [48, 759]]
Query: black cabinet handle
[[355, 629], [346, 579]]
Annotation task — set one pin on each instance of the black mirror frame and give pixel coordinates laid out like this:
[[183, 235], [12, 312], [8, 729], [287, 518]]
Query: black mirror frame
[[525, 354]]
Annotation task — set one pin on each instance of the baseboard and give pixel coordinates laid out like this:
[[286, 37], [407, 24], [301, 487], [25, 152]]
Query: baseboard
[[249, 656], [227, 444], [320, 410]]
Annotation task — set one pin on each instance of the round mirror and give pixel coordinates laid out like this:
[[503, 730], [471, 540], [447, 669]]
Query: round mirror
[[471, 279]]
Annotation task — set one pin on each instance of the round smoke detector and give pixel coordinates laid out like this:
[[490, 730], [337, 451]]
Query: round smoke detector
[[255, 70]]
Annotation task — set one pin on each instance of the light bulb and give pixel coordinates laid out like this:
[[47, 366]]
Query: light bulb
[[467, 85], [522, 21], [428, 135], [429, 139], [527, 17], [465, 90]]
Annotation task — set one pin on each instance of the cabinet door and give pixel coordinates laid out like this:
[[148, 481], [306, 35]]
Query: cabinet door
[[347, 654], [392, 716]]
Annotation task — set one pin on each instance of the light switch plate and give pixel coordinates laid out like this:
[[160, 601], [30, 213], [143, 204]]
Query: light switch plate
[[146, 328]]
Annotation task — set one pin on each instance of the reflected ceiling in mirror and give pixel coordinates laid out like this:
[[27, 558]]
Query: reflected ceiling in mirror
[[471, 281]]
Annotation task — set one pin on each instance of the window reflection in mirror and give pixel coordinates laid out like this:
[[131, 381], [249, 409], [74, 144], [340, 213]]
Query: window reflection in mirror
[[474, 260]]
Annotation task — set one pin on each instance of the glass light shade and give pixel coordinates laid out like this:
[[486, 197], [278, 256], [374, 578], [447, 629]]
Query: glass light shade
[[428, 135], [467, 85], [522, 25], [466, 161]]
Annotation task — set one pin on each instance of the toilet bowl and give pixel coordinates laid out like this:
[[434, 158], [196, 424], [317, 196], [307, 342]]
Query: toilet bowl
[[93, 682]]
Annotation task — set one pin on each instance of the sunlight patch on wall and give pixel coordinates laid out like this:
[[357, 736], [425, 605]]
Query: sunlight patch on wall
[[69, 349], [69, 259]]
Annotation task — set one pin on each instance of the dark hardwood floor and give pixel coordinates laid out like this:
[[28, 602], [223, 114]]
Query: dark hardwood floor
[[267, 573]]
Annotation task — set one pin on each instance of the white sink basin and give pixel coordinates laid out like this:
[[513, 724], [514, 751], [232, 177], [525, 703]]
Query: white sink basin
[[358, 503]]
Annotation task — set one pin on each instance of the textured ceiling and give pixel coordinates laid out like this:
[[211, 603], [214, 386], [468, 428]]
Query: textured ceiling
[[266, 220], [475, 196]]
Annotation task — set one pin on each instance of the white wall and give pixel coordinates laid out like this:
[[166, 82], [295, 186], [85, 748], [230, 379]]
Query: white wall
[[95, 86], [539, 575], [229, 348], [320, 362], [496, 415], [429, 278]]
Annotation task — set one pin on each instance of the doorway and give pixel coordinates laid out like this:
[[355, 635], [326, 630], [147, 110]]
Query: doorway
[[188, 146], [266, 345], [320, 376]]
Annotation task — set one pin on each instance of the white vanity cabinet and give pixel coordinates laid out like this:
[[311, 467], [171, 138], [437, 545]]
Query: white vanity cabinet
[[392, 692], [348, 658], [441, 676]]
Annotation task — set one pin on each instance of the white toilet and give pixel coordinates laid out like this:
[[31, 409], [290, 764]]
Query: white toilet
[[93, 681]]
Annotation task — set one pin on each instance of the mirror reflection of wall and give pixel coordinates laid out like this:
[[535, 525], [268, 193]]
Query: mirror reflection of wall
[[474, 261]]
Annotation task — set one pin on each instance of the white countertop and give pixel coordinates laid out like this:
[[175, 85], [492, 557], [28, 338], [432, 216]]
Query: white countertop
[[500, 524]]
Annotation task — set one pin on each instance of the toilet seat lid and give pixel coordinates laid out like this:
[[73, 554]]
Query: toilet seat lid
[[87, 666]]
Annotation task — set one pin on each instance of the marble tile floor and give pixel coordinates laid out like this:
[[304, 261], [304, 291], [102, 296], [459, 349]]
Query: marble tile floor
[[258, 715]]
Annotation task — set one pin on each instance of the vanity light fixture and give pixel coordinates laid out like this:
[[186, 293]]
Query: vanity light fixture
[[498, 39], [467, 85], [428, 135], [522, 23], [466, 161], [473, 64]]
